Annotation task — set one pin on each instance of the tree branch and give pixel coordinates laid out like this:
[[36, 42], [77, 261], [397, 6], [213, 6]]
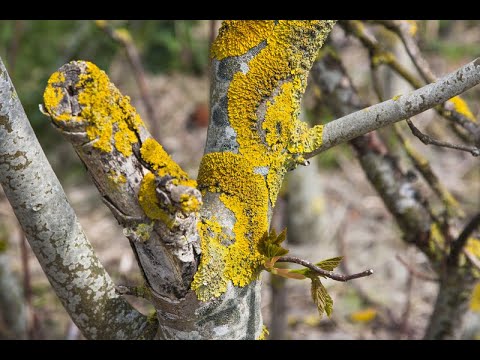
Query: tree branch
[[427, 140], [54, 233], [148, 193], [399, 108], [455, 111], [320, 271], [459, 244], [123, 37], [414, 271]]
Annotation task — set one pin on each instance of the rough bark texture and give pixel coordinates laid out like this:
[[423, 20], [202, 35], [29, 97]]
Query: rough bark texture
[[54, 233], [150, 196]]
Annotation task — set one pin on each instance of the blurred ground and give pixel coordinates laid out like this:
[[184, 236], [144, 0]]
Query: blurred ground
[[352, 215]]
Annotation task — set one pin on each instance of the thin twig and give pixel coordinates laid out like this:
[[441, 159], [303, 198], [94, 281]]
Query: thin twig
[[124, 38], [380, 56], [415, 272], [424, 168], [399, 108], [320, 271], [462, 239], [427, 140]]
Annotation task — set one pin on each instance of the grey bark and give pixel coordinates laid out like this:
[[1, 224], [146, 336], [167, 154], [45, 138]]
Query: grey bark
[[54, 233], [399, 108]]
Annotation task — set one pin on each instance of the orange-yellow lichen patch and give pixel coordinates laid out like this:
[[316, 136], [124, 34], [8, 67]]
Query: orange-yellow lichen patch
[[245, 194], [282, 65], [276, 78], [236, 37], [110, 119], [147, 198], [162, 164], [189, 203], [461, 107]]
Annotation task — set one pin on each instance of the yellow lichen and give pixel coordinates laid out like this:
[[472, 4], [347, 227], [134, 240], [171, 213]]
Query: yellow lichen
[[53, 94], [189, 203], [245, 194], [250, 32], [147, 198], [278, 72], [110, 120], [264, 334], [162, 164], [461, 107], [250, 180]]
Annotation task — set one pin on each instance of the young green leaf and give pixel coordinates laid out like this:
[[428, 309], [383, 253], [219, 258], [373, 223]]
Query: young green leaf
[[321, 298], [270, 244], [330, 264], [327, 265]]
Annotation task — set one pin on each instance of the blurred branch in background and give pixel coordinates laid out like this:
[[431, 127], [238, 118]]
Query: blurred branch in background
[[122, 37], [404, 199]]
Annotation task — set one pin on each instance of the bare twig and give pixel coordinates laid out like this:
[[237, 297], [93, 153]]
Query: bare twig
[[320, 271], [123, 38], [402, 29], [424, 168], [427, 140], [414, 271], [459, 244], [399, 108], [379, 55]]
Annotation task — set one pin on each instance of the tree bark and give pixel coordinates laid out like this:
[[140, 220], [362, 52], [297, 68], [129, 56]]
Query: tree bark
[[54, 233]]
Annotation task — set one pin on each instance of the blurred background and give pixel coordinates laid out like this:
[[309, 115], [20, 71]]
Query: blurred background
[[330, 207]]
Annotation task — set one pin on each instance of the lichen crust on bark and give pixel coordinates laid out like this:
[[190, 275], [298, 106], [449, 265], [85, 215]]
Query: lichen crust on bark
[[254, 137]]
